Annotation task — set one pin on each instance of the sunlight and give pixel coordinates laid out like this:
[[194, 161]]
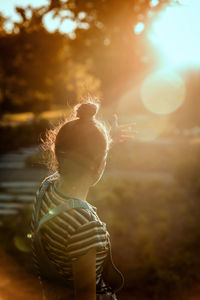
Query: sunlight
[[163, 92], [149, 127], [176, 33]]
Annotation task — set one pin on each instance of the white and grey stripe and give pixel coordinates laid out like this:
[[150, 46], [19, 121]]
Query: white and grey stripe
[[71, 234]]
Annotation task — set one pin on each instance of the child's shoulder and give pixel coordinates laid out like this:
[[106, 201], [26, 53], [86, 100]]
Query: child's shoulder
[[47, 181]]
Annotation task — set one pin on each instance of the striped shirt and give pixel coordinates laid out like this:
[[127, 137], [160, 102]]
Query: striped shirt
[[71, 234]]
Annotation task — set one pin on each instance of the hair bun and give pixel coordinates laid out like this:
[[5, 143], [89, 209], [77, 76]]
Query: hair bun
[[86, 111]]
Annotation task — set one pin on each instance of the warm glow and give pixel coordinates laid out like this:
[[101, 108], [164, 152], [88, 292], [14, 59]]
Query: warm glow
[[150, 127], [176, 32], [163, 92]]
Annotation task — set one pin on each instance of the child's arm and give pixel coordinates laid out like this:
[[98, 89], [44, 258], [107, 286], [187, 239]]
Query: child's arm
[[84, 273]]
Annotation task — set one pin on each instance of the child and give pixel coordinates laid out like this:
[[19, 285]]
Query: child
[[75, 240]]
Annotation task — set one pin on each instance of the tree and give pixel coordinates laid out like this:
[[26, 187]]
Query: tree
[[37, 67], [119, 55], [40, 69]]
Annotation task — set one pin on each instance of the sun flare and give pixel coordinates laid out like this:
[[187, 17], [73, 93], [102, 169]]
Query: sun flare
[[176, 33]]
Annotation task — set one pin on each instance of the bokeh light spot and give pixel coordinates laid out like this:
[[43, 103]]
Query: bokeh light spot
[[139, 28], [29, 235], [67, 26], [50, 22], [163, 92], [154, 3], [61, 22]]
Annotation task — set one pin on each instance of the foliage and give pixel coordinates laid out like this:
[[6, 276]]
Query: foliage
[[155, 236], [26, 129], [33, 78], [39, 69], [14, 137], [103, 57]]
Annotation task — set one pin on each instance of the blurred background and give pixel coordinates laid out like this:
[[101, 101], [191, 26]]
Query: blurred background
[[141, 60]]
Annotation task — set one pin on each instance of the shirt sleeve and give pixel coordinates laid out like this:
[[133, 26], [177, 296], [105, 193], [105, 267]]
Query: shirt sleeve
[[91, 234]]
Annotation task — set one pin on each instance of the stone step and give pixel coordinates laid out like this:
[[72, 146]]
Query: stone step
[[19, 184], [16, 198], [11, 157], [12, 165], [17, 191], [29, 150], [16, 160], [12, 205], [6, 212]]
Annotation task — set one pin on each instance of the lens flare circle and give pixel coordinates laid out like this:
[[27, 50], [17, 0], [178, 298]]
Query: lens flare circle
[[21, 244], [163, 92]]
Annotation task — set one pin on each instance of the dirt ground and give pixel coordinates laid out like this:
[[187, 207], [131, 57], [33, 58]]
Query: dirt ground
[[15, 283]]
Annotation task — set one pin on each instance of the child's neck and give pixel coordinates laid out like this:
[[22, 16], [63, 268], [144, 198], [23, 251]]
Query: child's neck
[[74, 189]]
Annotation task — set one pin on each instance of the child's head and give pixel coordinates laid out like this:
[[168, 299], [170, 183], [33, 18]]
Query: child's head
[[80, 145]]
